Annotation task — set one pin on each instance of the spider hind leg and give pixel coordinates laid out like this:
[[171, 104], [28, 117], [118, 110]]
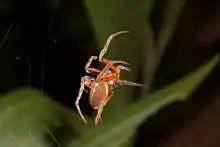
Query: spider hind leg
[[129, 83]]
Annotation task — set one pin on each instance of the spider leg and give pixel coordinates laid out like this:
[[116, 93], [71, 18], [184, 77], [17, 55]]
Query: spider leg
[[87, 69], [104, 50], [86, 91], [121, 67], [114, 68], [99, 113], [107, 67], [129, 83], [98, 117], [82, 88]]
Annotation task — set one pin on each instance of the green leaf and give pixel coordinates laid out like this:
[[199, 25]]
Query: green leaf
[[171, 19], [27, 117], [154, 52], [117, 128]]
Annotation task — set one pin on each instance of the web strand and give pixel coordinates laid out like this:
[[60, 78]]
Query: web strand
[[43, 51]]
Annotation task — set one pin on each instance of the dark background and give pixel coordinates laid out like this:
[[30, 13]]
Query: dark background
[[45, 44]]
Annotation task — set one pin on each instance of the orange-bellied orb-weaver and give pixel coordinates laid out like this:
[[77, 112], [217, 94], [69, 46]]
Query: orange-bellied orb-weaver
[[102, 87]]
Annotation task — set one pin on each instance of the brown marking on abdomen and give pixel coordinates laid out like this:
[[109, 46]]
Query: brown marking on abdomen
[[97, 94]]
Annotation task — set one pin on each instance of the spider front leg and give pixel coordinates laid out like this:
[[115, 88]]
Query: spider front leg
[[84, 81], [104, 50]]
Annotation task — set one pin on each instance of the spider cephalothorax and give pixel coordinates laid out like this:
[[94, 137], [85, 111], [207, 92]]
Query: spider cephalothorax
[[102, 87]]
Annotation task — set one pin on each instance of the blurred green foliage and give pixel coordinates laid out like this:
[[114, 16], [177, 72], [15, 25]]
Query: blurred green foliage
[[29, 118]]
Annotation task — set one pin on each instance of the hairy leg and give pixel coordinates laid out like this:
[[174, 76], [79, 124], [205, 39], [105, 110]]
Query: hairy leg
[[100, 109], [129, 83], [84, 80], [104, 50]]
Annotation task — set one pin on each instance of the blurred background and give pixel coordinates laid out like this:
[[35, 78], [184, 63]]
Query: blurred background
[[45, 44]]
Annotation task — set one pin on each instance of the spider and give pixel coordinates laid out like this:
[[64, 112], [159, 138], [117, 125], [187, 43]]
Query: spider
[[102, 87]]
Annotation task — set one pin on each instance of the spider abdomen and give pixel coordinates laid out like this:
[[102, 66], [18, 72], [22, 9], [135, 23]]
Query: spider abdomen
[[99, 91]]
